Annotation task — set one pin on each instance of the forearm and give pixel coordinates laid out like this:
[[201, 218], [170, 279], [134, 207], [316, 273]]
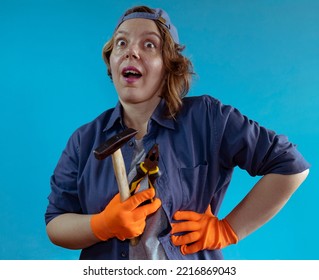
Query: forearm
[[263, 202], [123, 220], [72, 231]]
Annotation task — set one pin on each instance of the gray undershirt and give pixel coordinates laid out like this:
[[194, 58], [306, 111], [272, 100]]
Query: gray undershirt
[[148, 247]]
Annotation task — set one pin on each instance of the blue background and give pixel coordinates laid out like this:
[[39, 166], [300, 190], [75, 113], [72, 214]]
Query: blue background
[[259, 56]]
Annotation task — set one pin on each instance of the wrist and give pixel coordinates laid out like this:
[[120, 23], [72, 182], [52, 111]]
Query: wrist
[[231, 236], [99, 227]]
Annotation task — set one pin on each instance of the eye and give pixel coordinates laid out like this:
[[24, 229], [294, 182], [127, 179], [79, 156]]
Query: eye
[[149, 45], [121, 43]]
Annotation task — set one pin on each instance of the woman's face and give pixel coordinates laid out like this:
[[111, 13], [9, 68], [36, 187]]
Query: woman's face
[[136, 61]]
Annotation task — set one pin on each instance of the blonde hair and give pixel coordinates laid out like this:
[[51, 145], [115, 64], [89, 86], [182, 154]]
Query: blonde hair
[[178, 68]]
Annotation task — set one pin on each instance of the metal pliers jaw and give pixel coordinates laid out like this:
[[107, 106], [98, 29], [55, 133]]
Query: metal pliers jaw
[[148, 167]]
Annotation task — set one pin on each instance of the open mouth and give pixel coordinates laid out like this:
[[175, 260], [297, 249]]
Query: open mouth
[[131, 73]]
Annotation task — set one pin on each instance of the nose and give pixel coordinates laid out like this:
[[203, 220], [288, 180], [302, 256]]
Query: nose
[[132, 52]]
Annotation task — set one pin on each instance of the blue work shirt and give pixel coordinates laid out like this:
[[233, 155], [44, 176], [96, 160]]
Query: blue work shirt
[[199, 150]]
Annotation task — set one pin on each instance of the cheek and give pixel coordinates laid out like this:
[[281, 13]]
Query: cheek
[[114, 62], [111, 62], [159, 66]]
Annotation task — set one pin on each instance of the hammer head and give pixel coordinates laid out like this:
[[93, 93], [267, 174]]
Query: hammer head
[[114, 143]]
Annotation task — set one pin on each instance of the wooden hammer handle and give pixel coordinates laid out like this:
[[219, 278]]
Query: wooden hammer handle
[[120, 174], [122, 182]]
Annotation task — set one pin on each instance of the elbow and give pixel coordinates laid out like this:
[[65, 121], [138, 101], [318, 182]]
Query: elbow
[[302, 176], [286, 185], [52, 234], [298, 179], [56, 234]]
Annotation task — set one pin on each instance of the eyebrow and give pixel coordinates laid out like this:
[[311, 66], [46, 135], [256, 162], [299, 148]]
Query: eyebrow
[[146, 33]]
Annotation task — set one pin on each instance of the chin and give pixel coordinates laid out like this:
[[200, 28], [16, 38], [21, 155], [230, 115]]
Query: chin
[[133, 99]]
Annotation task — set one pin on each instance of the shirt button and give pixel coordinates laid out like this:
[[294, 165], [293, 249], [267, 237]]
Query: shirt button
[[123, 254], [131, 143]]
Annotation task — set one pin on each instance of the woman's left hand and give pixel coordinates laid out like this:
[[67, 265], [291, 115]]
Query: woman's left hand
[[201, 231]]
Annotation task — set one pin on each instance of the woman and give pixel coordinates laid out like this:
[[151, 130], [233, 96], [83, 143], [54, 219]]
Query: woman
[[201, 141]]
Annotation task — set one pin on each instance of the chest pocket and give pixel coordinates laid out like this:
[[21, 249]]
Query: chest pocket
[[195, 194]]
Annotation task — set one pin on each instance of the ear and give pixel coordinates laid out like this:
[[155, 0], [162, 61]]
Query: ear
[[109, 73]]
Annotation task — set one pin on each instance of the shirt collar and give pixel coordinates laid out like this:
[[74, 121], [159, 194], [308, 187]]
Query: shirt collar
[[158, 116], [116, 117]]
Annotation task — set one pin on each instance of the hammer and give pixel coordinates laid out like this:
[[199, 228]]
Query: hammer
[[113, 147]]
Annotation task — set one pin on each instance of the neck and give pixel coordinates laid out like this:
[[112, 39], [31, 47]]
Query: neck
[[137, 116]]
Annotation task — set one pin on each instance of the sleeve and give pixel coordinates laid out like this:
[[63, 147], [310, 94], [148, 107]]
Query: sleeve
[[64, 193], [252, 147]]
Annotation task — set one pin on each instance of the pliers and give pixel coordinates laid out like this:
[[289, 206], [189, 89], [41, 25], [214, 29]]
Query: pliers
[[148, 167]]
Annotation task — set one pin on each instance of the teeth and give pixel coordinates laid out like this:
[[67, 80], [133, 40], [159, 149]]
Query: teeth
[[131, 72]]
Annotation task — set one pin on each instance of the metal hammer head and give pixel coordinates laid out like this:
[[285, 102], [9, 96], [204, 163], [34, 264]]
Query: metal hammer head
[[114, 143]]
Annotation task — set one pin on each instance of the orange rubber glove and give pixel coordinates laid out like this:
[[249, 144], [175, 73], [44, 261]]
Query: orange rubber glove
[[126, 219], [203, 231]]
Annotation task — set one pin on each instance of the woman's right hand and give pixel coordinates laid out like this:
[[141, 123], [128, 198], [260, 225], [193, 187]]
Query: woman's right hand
[[124, 220]]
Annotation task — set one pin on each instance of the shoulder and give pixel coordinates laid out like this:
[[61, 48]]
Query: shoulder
[[98, 124], [205, 104], [89, 134], [194, 101]]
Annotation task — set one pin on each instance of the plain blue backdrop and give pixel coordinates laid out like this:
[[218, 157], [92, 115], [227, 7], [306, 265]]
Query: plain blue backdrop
[[259, 56]]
